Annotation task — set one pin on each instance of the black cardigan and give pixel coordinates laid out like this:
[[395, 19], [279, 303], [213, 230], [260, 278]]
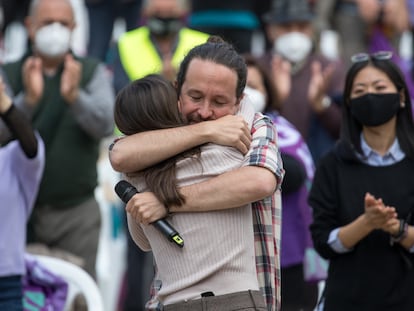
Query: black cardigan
[[374, 275]]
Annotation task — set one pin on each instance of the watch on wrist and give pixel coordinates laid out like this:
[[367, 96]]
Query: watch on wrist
[[326, 102], [401, 234]]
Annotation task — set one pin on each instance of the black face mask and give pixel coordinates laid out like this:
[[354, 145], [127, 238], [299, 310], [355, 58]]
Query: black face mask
[[163, 27], [375, 109]]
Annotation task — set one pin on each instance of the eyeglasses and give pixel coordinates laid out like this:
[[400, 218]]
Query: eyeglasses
[[364, 57]]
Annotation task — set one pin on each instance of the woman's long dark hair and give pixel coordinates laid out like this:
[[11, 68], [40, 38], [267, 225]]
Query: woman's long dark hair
[[351, 128], [146, 104]]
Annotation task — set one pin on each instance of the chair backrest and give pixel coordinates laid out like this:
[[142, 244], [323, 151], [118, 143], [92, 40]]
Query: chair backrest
[[79, 281]]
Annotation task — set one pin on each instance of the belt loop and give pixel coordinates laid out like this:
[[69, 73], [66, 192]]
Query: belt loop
[[204, 304], [252, 298]]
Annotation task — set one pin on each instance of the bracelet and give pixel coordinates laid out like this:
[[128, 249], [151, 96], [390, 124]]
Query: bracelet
[[401, 234], [326, 102]]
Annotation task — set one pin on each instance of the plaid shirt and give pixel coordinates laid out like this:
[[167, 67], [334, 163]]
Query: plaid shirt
[[267, 212], [266, 216]]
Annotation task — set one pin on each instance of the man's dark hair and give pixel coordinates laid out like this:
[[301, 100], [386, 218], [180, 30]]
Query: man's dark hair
[[220, 52]]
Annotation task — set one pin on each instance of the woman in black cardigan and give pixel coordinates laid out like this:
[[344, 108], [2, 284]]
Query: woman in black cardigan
[[363, 195]]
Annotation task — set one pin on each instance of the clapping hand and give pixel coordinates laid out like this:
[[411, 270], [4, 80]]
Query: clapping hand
[[33, 80], [69, 84], [379, 216], [5, 101], [318, 84], [281, 72]]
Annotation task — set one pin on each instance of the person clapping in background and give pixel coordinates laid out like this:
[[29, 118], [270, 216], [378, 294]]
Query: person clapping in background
[[22, 157], [362, 195]]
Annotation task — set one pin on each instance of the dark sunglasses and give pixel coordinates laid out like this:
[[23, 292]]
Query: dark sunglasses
[[364, 57]]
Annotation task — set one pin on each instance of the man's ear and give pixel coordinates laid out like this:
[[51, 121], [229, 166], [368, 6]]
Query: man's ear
[[239, 100]]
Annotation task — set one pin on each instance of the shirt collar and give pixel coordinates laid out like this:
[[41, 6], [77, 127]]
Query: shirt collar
[[393, 155]]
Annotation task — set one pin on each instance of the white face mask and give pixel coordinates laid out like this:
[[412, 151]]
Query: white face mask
[[53, 40], [293, 46], [256, 98]]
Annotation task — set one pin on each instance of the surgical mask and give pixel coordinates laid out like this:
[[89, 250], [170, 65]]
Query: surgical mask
[[293, 46], [53, 40], [256, 98], [161, 26], [375, 109]]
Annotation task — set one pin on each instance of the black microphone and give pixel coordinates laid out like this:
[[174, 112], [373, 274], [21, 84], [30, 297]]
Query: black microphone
[[126, 191]]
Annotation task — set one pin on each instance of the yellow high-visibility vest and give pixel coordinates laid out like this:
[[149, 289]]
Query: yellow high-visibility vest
[[140, 58]]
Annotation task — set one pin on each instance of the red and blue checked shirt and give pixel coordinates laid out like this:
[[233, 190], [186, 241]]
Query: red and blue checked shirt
[[267, 214]]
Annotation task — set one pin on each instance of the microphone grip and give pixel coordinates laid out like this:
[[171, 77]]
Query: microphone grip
[[126, 191], [165, 228]]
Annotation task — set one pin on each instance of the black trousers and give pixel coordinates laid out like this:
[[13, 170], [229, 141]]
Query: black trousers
[[297, 294]]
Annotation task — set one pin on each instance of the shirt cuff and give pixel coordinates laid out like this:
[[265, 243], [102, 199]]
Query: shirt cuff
[[336, 244]]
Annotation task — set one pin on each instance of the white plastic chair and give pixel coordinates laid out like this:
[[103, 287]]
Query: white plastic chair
[[79, 281]]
